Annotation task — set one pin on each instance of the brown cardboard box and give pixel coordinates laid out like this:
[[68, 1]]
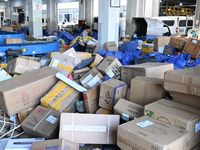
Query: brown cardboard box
[[50, 54], [190, 100], [152, 70], [110, 92], [25, 91], [23, 114], [12, 41], [8, 29], [89, 128], [193, 48], [61, 98], [178, 42], [146, 90], [76, 73], [91, 78], [49, 39], [110, 66], [72, 53], [30, 58], [147, 133], [128, 110], [179, 115], [175, 35], [103, 111], [96, 61], [183, 81], [83, 55], [110, 46], [22, 66], [57, 144], [161, 41], [42, 122], [63, 63], [91, 99]]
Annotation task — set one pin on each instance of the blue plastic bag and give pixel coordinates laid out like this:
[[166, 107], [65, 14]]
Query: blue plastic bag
[[129, 46], [66, 37], [45, 32], [95, 36]]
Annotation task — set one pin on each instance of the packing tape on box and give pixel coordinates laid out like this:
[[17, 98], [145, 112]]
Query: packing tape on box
[[114, 93], [68, 108], [57, 104], [83, 128], [56, 64], [93, 64], [87, 55], [190, 88], [47, 98], [40, 122], [106, 112]]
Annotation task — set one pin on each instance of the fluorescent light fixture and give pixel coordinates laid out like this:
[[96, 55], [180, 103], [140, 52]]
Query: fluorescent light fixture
[[6, 0], [181, 4]]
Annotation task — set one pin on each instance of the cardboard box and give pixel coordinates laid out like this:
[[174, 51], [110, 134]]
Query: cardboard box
[[128, 110], [42, 122], [91, 78], [103, 111], [175, 35], [193, 48], [76, 73], [161, 41], [22, 66], [72, 53], [49, 39], [110, 92], [30, 58], [110, 46], [12, 41], [4, 75], [23, 114], [3, 65], [83, 55], [186, 99], [146, 90], [8, 29], [151, 70], [44, 61], [91, 99], [21, 144], [179, 115], [63, 63], [61, 98], [58, 144], [178, 42], [96, 61], [89, 128], [25, 91], [110, 66], [50, 54], [183, 81], [147, 133], [169, 50]]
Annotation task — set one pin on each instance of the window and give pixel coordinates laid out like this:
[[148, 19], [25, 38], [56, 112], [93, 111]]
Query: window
[[190, 23], [182, 23], [169, 22]]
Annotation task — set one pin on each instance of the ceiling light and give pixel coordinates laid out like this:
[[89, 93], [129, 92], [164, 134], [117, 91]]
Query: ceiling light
[[6, 0], [181, 4]]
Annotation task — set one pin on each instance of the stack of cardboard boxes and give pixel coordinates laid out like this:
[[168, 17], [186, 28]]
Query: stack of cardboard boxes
[[47, 103]]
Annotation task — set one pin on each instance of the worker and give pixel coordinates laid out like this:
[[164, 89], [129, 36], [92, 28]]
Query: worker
[[120, 33], [83, 26], [26, 30], [83, 39]]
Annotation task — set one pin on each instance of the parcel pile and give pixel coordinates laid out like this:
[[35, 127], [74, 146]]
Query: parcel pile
[[71, 100]]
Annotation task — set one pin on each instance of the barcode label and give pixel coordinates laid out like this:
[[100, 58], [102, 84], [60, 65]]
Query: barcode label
[[52, 119]]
